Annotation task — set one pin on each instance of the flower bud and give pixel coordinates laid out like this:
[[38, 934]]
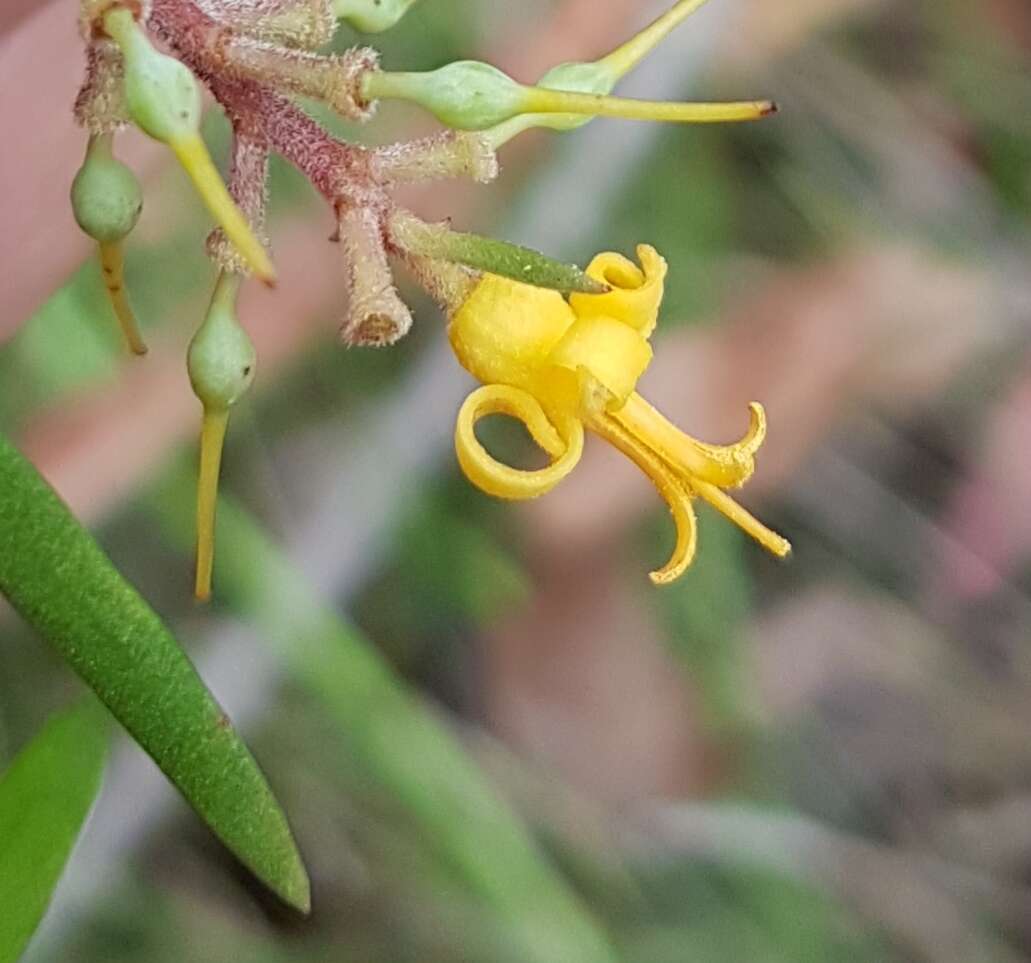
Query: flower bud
[[466, 95], [372, 16], [470, 95], [164, 101], [106, 196], [106, 202], [580, 78], [221, 357], [161, 93]]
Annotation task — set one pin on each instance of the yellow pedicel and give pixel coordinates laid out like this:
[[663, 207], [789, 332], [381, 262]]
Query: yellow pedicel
[[560, 366]]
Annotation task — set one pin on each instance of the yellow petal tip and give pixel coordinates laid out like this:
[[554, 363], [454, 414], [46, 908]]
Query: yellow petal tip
[[665, 576]]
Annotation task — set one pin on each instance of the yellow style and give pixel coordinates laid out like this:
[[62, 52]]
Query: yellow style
[[560, 366]]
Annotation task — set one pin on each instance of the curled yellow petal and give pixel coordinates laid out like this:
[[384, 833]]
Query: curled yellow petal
[[636, 292], [739, 458], [196, 161], [726, 466], [669, 486], [564, 443], [609, 351]]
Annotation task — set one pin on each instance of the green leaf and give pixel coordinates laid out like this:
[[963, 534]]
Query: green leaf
[[63, 585], [45, 795]]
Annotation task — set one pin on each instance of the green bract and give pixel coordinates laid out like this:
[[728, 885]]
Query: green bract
[[161, 94], [106, 196], [221, 359]]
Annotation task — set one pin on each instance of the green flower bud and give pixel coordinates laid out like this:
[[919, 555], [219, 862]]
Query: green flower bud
[[573, 77], [164, 101], [469, 95], [106, 196], [571, 94], [221, 358], [161, 94], [578, 78], [465, 95], [372, 16]]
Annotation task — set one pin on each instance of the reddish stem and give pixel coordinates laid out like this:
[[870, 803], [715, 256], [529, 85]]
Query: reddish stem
[[336, 169]]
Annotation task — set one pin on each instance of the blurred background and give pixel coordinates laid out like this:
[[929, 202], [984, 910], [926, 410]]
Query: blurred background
[[823, 759]]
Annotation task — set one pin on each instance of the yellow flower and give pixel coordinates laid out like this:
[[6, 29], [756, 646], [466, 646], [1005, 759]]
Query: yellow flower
[[560, 366]]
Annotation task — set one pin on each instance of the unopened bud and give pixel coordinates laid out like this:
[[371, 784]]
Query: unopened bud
[[162, 95], [106, 196], [106, 202], [221, 358], [466, 95], [372, 16], [164, 101], [470, 95]]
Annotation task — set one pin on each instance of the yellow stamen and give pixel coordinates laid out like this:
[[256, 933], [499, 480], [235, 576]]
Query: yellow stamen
[[540, 100], [212, 437], [627, 56], [724, 465], [564, 443], [726, 505], [669, 487], [112, 264], [196, 161]]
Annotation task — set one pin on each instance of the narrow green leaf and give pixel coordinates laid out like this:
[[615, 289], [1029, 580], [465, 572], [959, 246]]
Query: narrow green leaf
[[63, 585], [398, 743], [45, 795], [498, 257]]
